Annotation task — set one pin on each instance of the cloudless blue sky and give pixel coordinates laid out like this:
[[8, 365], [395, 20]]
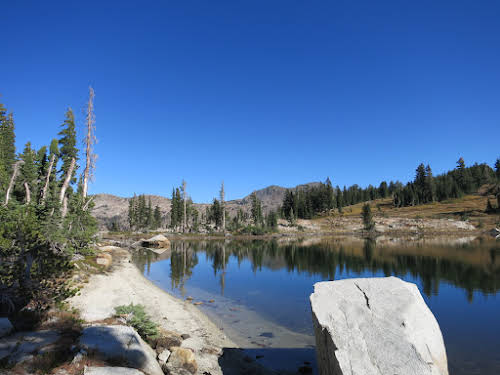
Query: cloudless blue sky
[[257, 92]]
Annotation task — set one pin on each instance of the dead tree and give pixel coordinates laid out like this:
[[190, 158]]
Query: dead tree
[[47, 178], [28, 193], [222, 203], [65, 185], [184, 201], [90, 141], [15, 172]]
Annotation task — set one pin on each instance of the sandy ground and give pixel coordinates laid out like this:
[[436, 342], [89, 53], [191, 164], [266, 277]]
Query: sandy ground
[[124, 284]]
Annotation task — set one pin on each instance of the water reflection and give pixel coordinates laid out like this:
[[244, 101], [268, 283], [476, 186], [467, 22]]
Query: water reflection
[[473, 267], [265, 285]]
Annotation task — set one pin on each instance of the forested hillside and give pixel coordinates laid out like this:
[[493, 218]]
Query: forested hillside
[[425, 188]]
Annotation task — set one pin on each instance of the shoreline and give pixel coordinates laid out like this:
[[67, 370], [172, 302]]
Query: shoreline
[[123, 284]]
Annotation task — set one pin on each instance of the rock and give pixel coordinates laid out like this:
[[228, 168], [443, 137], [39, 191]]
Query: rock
[[120, 343], [6, 327], [375, 326], [163, 358], [104, 259], [111, 371], [167, 340], [77, 257], [109, 248], [18, 348], [157, 242], [181, 359]]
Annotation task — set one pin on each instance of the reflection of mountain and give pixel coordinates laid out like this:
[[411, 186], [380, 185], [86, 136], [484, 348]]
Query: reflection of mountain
[[472, 267]]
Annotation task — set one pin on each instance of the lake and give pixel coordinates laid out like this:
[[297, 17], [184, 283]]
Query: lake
[[258, 291]]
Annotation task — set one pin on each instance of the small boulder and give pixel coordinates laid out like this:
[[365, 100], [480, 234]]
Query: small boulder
[[122, 344], [5, 327], [181, 359], [157, 242], [163, 358], [104, 259], [166, 340]]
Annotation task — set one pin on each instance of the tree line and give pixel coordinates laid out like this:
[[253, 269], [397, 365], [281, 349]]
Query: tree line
[[44, 212], [307, 202], [426, 188]]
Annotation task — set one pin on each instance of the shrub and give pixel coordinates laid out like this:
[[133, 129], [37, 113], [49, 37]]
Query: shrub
[[137, 318]]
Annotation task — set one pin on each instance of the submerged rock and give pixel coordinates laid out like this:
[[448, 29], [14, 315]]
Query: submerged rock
[[121, 344], [375, 326]]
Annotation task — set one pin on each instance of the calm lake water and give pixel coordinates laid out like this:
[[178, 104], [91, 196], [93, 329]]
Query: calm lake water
[[258, 291]]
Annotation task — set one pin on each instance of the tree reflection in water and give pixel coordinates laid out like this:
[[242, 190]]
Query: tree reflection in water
[[474, 267]]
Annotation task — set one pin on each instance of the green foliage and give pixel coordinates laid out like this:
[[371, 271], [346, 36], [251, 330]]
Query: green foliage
[[454, 184], [367, 217], [36, 241], [272, 221], [215, 213], [256, 209], [67, 142], [136, 316], [141, 215]]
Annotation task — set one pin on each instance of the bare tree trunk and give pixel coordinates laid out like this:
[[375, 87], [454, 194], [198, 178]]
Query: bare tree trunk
[[15, 171], [67, 180], [86, 205], [89, 141], [184, 199], [47, 179], [64, 210], [222, 202], [28, 193]]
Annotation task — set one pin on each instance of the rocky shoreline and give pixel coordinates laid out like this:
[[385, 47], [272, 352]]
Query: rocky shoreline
[[213, 352]]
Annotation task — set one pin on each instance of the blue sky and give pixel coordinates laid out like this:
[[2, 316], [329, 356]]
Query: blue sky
[[258, 92]]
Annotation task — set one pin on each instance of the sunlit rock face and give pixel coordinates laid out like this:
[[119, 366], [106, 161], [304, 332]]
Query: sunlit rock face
[[378, 326]]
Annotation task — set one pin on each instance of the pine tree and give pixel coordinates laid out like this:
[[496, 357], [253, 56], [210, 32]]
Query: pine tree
[[157, 217], [29, 172], [7, 146], [497, 169], [430, 188], [149, 215], [67, 144], [256, 209], [367, 217], [340, 199]]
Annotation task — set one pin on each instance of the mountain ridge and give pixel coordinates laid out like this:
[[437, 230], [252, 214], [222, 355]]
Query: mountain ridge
[[112, 208]]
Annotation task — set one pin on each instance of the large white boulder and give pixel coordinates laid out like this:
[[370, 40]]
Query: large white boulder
[[122, 345], [375, 326]]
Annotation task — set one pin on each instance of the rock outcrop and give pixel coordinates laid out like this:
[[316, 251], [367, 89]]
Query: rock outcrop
[[375, 326], [120, 344]]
